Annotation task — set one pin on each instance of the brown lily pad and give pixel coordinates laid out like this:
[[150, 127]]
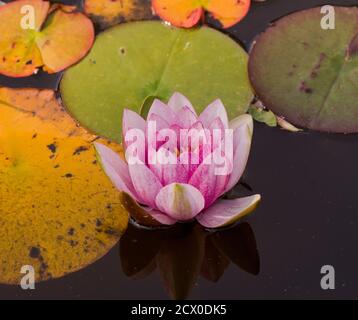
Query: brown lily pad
[[107, 13], [58, 210], [307, 74]]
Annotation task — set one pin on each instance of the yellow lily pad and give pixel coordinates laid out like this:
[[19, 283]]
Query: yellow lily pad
[[58, 210]]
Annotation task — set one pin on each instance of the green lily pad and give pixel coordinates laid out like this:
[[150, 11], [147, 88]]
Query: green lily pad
[[137, 60], [309, 75], [262, 115]]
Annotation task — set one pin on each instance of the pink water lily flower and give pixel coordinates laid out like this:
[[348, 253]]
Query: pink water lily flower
[[161, 179]]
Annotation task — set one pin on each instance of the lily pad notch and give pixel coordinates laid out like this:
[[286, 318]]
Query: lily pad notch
[[133, 61]]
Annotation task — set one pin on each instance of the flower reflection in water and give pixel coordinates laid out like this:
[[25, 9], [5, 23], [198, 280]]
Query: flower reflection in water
[[185, 251]]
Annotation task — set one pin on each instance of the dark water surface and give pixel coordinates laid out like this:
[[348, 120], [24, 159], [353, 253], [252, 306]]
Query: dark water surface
[[308, 218]]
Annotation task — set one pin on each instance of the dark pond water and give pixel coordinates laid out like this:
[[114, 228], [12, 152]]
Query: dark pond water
[[308, 218]]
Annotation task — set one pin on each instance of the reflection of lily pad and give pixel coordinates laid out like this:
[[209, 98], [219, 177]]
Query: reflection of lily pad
[[307, 74], [132, 61], [58, 210]]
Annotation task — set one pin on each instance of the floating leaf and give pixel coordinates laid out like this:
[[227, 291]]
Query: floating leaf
[[58, 210], [63, 40], [187, 13], [106, 13], [264, 116], [132, 59], [309, 75], [19, 54], [228, 12]]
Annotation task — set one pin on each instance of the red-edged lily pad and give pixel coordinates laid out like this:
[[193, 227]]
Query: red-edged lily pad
[[54, 42], [187, 13]]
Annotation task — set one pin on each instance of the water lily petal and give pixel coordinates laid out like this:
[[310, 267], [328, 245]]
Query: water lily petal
[[159, 121], [169, 172], [186, 117], [143, 215], [186, 159], [161, 109], [116, 169], [180, 201], [168, 138], [146, 184], [135, 146], [133, 132], [240, 120], [214, 110], [161, 217], [176, 128], [132, 120], [155, 123], [195, 136], [217, 130], [243, 129], [207, 181], [217, 124], [178, 101], [226, 212]]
